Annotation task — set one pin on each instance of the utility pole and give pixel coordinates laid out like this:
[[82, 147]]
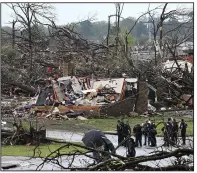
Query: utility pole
[[149, 26], [13, 33], [117, 26], [149, 29]]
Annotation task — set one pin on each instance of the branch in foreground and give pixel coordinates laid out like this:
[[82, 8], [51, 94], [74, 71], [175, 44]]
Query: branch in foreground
[[120, 163]]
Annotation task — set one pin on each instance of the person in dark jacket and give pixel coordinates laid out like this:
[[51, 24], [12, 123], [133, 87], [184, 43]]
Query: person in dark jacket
[[183, 127], [126, 131], [149, 137], [152, 134], [122, 124], [120, 132], [167, 129], [137, 130], [175, 129], [130, 147], [145, 132]]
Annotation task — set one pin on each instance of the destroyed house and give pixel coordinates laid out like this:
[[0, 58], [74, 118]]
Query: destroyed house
[[69, 93]]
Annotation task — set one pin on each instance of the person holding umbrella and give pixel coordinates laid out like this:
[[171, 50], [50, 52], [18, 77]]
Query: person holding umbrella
[[96, 139]]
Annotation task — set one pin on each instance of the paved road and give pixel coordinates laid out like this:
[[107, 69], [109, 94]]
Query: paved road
[[26, 164]]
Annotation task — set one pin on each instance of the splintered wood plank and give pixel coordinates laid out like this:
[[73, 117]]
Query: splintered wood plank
[[66, 108]]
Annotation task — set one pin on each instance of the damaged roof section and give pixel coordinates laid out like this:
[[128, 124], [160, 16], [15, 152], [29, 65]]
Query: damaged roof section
[[77, 91], [172, 66], [84, 93]]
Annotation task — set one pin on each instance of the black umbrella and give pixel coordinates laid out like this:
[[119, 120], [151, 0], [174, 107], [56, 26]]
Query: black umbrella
[[93, 138]]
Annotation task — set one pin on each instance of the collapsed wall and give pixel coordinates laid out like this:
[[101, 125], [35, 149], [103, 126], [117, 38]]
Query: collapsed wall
[[123, 107]]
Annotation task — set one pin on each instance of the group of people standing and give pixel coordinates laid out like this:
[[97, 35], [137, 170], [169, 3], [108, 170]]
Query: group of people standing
[[171, 129], [148, 129]]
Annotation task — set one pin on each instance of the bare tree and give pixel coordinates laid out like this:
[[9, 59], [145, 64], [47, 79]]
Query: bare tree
[[27, 15], [169, 40]]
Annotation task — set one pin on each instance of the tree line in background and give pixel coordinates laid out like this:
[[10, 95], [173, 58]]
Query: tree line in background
[[97, 30]]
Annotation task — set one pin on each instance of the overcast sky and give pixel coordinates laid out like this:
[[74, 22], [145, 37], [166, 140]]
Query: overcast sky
[[73, 12]]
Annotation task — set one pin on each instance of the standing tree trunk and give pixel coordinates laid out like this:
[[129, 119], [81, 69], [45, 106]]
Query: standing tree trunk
[[141, 102], [108, 30], [30, 38]]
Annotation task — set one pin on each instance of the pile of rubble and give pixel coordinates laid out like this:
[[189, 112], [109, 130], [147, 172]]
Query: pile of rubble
[[90, 92], [83, 91], [21, 108], [55, 114], [82, 94]]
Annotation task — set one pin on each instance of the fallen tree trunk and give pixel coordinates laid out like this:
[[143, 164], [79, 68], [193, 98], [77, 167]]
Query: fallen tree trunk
[[24, 87], [176, 153], [22, 137], [140, 167]]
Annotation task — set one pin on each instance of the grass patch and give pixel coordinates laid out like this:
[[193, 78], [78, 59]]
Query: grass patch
[[42, 150], [110, 124], [107, 124]]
